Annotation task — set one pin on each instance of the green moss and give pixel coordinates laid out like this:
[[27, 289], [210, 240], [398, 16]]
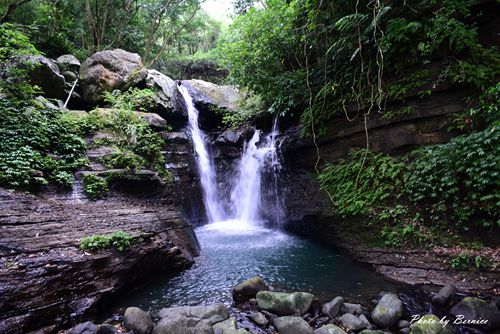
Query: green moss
[[94, 186]]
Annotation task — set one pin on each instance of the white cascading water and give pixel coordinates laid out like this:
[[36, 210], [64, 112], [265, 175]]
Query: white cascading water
[[203, 160], [246, 200]]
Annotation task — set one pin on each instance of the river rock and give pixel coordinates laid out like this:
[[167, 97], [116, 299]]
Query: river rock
[[249, 289], [332, 308], [138, 320], [166, 98], [68, 63], [179, 324], [197, 312], [108, 70], [472, 308], [352, 322], [403, 324], [292, 325], [259, 318], [371, 331], [284, 303], [428, 324], [42, 72], [444, 295], [84, 328], [351, 308], [330, 329], [388, 311], [228, 327]]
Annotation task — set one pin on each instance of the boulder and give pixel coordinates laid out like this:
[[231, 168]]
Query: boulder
[[212, 100], [332, 308], [166, 98], [249, 289], [155, 121], [178, 324], [371, 331], [108, 70], [228, 327], [352, 322], [44, 73], [196, 312], [388, 311], [444, 295], [351, 308], [259, 318], [472, 308], [330, 329], [69, 76], [428, 324], [68, 63], [284, 303], [84, 328], [138, 320], [292, 325]]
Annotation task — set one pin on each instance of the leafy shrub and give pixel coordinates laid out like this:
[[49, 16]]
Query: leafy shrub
[[361, 182], [459, 180], [467, 261], [119, 240], [94, 186], [132, 99], [249, 106]]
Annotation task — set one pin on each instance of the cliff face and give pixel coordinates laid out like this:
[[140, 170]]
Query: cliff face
[[45, 279]]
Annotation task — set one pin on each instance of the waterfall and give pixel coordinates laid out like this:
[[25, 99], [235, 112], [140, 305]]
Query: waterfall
[[259, 167], [203, 160]]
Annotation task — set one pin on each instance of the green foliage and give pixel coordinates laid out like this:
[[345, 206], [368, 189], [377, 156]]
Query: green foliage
[[467, 261], [458, 181], [363, 181], [94, 186], [120, 240], [134, 99], [398, 228], [248, 107], [352, 57]]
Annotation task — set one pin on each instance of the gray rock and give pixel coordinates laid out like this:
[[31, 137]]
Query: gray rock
[[363, 318], [332, 308], [472, 308], [284, 303], [68, 63], [388, 311], [69, 76], [42, 72], [292, 325], [138, 320], [223, 97], [249, 289], [444, 295], [352, 322], [330, 329], [108, 70], [84, 328], [228, 327], [428, 324], [259, 318], [179, 324], [371, 331], [351, 308], [405, 330], [166, 97], [403, 324], [155, 121], [196, 312], [106, 329]]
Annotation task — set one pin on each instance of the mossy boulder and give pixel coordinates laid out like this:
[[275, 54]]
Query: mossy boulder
[[428, 324], [330, 329], [284, 303], [388, 311], [249, 289], [473, 309]]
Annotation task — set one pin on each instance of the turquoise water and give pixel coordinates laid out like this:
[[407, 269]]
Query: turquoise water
[[231, 253]]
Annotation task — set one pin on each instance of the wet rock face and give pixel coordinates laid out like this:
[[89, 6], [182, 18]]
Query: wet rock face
[[46, 279], [108, 70]]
